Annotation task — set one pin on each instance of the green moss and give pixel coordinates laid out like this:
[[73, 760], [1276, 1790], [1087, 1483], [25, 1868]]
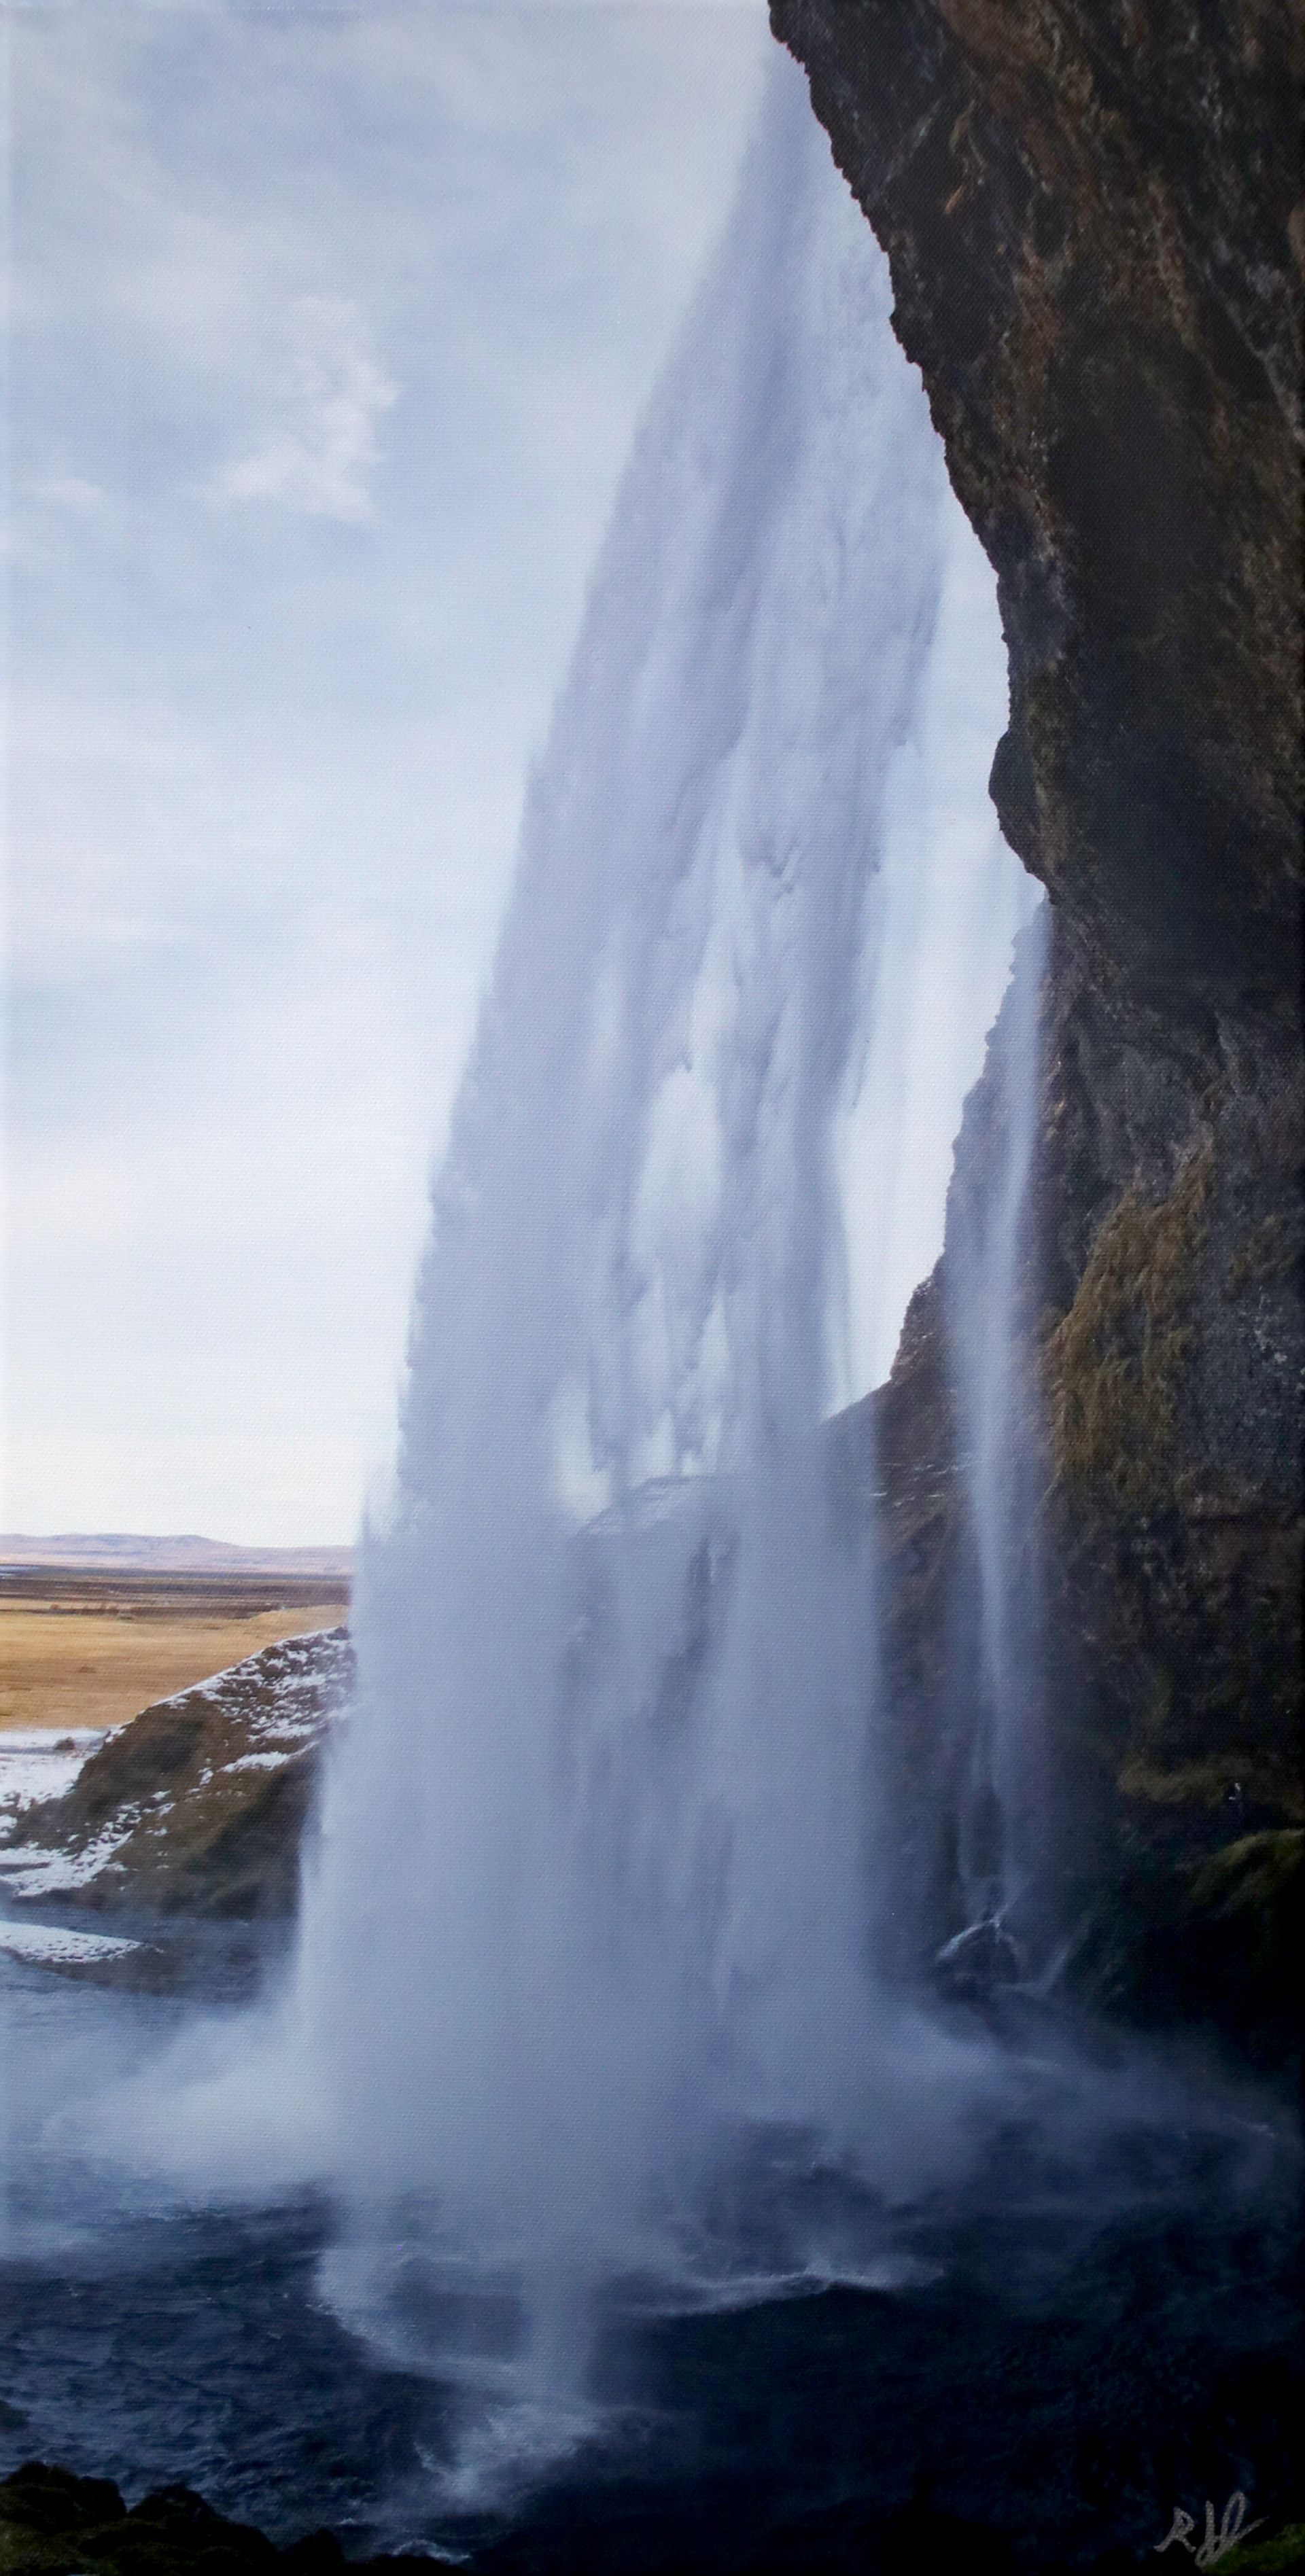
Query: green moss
[[1115, 1360], [1261, 1877], [1183, 1784], [1218, 1942], [55, 2524], [1275, 2556], [1204, 1782]]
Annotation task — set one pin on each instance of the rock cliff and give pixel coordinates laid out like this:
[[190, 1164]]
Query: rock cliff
[[1093, 214]]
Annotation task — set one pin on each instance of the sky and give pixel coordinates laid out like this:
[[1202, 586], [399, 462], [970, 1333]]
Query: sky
[[328, 330]]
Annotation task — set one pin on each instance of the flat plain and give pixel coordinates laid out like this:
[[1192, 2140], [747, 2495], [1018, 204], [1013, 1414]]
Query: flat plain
[[84, 1648]]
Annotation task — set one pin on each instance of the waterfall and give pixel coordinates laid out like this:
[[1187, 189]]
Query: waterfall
[[594, 1899], [988, 1262]]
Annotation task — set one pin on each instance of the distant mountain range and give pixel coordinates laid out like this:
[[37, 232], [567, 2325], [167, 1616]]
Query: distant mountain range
[[184, 1555]]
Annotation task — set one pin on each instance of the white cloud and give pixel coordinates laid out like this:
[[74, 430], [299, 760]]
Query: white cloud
[[70, 492], [318, 456], [266, 782]]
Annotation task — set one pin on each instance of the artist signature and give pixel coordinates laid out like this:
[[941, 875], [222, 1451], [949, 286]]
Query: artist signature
[[1234, 2527]]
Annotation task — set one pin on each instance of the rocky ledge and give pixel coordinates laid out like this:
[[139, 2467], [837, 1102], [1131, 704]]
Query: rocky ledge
[[196, 1807]]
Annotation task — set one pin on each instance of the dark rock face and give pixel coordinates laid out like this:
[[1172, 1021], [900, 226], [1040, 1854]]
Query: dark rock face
[[1172, 1247], [1092, 210]]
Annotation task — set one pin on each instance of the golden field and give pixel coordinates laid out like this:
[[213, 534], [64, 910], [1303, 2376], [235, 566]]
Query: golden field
[[90, 1650]]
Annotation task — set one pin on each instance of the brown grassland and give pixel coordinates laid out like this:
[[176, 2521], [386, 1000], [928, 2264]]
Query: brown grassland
[[90, 1650]]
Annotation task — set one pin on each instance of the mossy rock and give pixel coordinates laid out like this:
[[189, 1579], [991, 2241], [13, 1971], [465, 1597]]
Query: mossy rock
[[1115, 1362], [1259, 1878], [55, 2524], [1275, 2556], [1216, 1943]]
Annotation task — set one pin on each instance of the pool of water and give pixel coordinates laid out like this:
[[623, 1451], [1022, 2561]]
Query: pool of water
[[1096, 2324]]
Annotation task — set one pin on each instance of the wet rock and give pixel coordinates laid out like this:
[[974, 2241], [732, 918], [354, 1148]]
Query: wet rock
[[1091, 209], [975, 1962], [45, 2501], [1217, 1942], [1092, 214], [55, 2524]]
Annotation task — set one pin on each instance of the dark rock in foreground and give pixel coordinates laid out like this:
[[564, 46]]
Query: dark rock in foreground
[[55, 2524]]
